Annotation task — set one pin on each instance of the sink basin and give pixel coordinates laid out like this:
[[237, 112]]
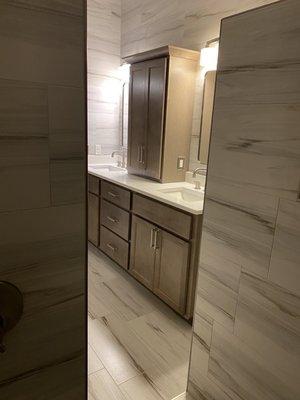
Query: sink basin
[[184, 194], [106, 167]]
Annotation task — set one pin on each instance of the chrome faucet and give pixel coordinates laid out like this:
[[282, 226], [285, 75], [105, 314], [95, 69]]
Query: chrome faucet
[[121, 153], [195, 172]]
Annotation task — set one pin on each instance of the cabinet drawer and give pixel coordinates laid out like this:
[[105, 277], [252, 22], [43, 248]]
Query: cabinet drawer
[[114, 247], [93, 184], [167, 217], [116, 194], [114, 218]]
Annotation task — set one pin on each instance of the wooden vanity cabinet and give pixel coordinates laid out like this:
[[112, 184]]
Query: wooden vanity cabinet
[[160, 261], [157, 243], [142, 253], [171, 270], [161, 97]]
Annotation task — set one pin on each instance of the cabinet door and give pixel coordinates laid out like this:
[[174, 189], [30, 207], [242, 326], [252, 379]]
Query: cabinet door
[[142, 253], [137, 117], [93, 219], [157, 70], [171, 270]]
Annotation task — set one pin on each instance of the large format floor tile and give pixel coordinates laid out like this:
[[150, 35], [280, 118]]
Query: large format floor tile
[[142, 345]]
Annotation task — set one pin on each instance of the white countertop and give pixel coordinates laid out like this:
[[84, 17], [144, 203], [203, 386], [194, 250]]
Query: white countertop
[[153, 189]]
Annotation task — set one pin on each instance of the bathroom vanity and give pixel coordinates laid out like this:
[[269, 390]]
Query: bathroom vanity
[[151, 230]]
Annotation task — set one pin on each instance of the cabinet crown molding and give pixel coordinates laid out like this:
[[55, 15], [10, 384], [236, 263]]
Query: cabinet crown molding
[[165, 51]]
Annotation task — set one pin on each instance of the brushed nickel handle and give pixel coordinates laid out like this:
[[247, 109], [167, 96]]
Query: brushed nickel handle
[[11, 309], [155, 238], [111, 247], [151, 238], [113, 195], [142, 154], [139, 154], [111, 219]]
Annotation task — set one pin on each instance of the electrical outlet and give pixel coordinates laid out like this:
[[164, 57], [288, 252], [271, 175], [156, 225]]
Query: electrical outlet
[[180, 162], [98, 149]]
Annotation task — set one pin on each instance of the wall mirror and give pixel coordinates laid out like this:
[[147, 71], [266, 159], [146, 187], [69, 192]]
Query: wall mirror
[[206, 118]]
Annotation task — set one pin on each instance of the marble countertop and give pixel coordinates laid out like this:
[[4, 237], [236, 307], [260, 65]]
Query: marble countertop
[[153, 189]]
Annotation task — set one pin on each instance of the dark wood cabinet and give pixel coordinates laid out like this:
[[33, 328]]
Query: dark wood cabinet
[[147, 94], [161, 94], [160, 261], [142, 254], [159, 244], [171, 270], [93, 218]]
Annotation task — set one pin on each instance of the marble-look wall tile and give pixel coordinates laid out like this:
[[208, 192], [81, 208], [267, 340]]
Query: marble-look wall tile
[[73, 7], [248, 38], [42, 248], [248, 290], [24, 176], [284, 268], [268, 318], [243, 373], [66, 121], [44, 51], [273, 153], [190, 24], [23, 109], [244, 220], [104, 83], [67, 178]]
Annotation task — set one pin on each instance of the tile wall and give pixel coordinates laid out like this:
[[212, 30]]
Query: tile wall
[[104, 78], [42, 195], [147, 24], [246, 341]]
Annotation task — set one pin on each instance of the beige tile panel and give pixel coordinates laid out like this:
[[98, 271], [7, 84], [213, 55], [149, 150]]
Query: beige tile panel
[[244, 373], [102, 386], [72, 7], [23, 109], [254, 44], [46, 46], [94, 363], [217, 296], [111, 351], [272, 154], [167, 379], [26, 351], [24, 173], [139, 388], [66, 122], [40, 385], [202, 388], [247, 237], [284, 267], [170, 340], [268, 319], [67, 179]]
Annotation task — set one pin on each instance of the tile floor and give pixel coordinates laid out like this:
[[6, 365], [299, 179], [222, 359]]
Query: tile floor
[[138, 347]]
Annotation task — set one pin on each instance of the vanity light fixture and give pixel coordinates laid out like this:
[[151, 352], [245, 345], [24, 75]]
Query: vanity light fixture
[[209, 56], [124, 72]]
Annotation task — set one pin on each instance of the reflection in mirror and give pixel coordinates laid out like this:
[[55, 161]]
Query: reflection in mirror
[[206, 119]]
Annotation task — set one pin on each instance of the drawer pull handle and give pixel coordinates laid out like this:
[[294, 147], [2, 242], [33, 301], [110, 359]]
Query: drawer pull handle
[[111, 247], [111, 219], [151, 238], [113, 195], [155, 239]]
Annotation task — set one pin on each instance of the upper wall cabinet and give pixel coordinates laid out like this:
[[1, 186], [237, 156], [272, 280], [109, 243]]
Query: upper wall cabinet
[[162, 84]]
